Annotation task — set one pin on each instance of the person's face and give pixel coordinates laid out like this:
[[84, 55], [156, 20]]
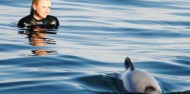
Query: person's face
[[42, 9]]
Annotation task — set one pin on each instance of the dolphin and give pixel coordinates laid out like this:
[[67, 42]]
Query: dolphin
[[138, 81]]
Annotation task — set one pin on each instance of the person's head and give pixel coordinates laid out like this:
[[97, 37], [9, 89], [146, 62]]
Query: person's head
[[40, 8]]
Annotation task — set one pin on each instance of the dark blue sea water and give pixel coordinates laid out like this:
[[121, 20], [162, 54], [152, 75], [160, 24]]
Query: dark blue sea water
[[85, 55]]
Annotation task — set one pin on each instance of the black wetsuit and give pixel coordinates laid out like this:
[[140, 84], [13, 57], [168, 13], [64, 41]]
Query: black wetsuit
[[30, 22]]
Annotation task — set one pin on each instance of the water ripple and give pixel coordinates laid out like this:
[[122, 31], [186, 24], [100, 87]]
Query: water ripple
[[86, 54]]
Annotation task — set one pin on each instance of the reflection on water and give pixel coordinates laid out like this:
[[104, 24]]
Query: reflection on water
[[38, 37]]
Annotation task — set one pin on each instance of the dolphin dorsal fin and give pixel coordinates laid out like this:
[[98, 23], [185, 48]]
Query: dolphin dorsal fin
[[128, 64]]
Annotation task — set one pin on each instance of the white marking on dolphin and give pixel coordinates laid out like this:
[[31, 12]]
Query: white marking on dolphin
[[138, 81]]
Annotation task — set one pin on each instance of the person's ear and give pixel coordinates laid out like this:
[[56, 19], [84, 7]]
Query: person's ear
[[34, 6]]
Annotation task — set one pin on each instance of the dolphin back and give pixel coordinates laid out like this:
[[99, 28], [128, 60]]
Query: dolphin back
[[128, 64]]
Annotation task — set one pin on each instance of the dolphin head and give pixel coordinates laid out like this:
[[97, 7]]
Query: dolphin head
[[139, 81]]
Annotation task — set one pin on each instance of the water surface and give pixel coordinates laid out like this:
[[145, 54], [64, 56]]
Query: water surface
[[85, 55]]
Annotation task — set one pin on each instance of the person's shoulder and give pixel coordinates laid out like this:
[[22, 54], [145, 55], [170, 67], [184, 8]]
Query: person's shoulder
[[23, 20], [52, 20], [26, 18], [51, 17]]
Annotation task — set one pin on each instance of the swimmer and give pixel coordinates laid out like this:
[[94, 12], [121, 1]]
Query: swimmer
[[39, 16]]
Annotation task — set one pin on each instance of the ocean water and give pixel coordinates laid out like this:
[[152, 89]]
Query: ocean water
[[85, 55]]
